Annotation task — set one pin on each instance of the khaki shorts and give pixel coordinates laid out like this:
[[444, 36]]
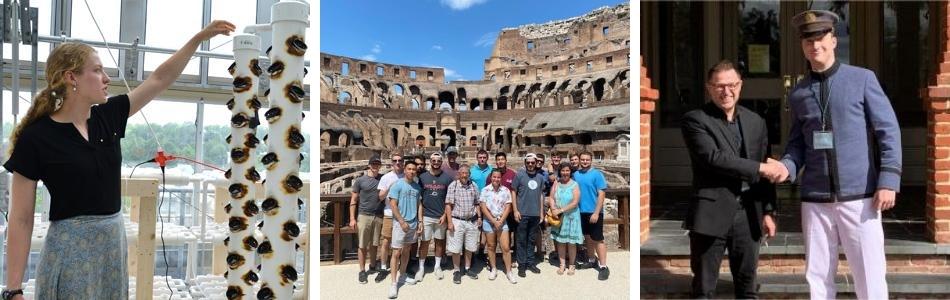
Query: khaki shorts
[[432, 229], [465, 235], [387, 228], [368, 229], [404, 238]]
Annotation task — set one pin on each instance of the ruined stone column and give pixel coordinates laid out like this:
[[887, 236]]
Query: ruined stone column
[[279, 248], [242, 175]]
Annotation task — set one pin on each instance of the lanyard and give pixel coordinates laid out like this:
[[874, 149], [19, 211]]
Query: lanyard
[[823, 105]]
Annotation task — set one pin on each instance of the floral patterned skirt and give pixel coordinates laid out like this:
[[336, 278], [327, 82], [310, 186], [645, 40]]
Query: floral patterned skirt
[[84, 257]]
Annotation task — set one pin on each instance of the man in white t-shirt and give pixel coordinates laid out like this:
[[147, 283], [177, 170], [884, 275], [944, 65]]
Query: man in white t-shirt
[[386, 235]]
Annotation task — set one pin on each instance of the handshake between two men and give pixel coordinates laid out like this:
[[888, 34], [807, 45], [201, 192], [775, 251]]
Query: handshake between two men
[[773, 170]]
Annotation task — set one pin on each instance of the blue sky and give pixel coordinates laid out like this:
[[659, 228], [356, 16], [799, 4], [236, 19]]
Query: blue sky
[[454, 34]]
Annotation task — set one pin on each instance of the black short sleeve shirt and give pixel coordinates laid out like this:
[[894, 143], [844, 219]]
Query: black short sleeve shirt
[[82, 176]]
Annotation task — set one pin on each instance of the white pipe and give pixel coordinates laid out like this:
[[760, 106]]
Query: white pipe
[[252, 29], [243, 142], [281, 230]]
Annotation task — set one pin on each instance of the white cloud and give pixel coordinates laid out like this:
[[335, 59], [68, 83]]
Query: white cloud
[[486, 40], [461, 4], [437, 47], [376, 48], [449, 73], [368, 57]]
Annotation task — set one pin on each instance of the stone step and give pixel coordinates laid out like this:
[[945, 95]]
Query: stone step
[[900, 285], [668, 238]]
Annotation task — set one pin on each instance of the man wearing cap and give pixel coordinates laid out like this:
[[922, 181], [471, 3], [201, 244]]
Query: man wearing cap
[[527, 196], [845, 136], [369, 225], [385, 183], [435, 184], [450, 166]]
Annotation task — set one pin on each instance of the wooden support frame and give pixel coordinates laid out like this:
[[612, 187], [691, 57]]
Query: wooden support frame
[[143, 210]]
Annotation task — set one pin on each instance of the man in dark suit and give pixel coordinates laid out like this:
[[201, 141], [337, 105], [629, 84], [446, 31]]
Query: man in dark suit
[[732, 205]]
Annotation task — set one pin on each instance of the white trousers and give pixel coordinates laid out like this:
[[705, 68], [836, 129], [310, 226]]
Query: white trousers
[[856, 226]]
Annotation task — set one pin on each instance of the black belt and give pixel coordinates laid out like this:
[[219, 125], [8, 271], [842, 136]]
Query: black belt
[[472, 219], [835, 198]]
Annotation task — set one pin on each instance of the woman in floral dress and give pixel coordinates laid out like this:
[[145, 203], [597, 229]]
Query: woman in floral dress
[[563, 202]]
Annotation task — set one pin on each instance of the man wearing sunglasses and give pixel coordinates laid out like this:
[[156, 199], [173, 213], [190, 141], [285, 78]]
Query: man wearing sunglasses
[[387, 232], [435, 184]]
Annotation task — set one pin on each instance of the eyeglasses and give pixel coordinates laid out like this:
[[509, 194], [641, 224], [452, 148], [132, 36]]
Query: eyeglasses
[[532, 162], [723, 86]]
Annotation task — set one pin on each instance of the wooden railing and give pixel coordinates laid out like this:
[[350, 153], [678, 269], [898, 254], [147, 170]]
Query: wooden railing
[[339, 218]]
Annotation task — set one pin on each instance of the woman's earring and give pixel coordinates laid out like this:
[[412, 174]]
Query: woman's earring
[[74, 88]]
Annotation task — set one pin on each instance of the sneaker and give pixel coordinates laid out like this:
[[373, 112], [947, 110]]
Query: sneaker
[[372, 270], [603, 274], [514, 265], [418, 276], [492, 275], [582, 265], [521, 273], [393, 291], [471, 274], [588, 265], [438, 272], [457, 277], [534, 269], [363, 277], [511, 278], [381, 275], [410, 280]]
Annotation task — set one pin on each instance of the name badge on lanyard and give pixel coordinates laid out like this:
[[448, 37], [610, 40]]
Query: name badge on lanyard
[[823, 140]]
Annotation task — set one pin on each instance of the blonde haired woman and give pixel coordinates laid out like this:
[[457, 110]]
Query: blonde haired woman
[[69, 139]]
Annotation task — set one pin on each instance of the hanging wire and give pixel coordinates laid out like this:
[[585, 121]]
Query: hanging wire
[[121, 74]]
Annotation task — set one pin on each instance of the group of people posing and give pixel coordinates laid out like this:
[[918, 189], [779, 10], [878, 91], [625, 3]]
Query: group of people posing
[[479, 208]]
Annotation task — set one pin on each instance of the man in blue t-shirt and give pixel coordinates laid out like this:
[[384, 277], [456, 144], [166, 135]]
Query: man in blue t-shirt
[[405, 198], [592, 185], [479, 174]]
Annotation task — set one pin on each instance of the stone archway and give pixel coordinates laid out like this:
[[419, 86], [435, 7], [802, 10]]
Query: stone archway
[[449, 137]]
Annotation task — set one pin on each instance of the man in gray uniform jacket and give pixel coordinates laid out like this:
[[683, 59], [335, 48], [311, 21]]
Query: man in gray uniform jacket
[[845, 136]]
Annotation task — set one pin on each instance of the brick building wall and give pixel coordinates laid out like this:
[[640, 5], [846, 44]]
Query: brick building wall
[[648, 98], [937, 102]]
